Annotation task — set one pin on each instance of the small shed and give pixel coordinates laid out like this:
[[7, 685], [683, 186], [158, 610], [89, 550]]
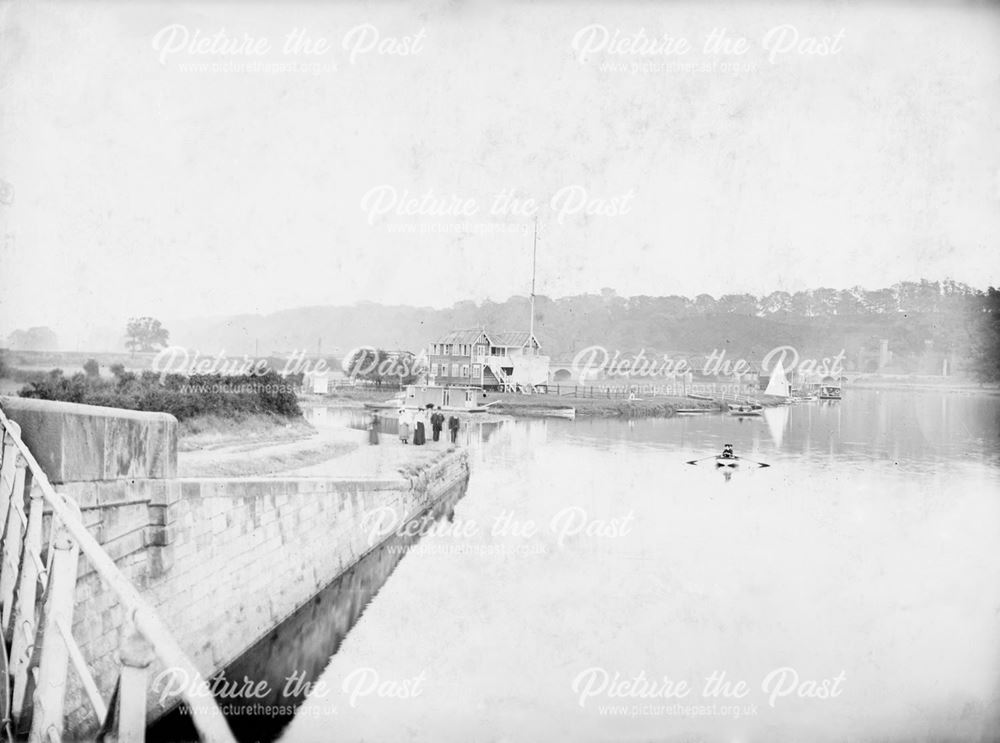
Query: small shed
[[446, 398]]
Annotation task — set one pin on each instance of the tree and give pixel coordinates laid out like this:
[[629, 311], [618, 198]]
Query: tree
[[91, 368], [704, 304], [802, 304], [145, 334], [737, 304], [777, 301], [986, 344], [850, 302], [33, 339]]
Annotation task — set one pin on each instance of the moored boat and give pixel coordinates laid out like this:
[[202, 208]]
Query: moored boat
[[830, 392], [803, 398], [394, 404], [746, 410]]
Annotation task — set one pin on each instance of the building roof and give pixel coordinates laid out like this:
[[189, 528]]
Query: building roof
[[462, 336], [505, 338], [516, 338]]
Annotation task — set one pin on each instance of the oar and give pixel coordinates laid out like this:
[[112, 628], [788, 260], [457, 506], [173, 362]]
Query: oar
[[714, 456], [760, 464]]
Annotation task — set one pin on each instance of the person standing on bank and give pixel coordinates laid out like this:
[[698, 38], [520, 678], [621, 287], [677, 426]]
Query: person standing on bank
[[437, 423], [404, 426], [373, 430], [453, 427], [419, 432]]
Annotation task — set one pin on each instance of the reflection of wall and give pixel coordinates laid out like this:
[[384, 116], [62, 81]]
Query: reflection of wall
[[241, 556], [303, 644]]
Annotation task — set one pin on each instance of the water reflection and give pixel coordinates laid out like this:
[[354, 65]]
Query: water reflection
[[502, 437], [292, 657], [868, 547], [910, 429]]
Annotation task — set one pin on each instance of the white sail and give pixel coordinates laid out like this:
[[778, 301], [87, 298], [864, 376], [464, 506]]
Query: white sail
[[778, 384]]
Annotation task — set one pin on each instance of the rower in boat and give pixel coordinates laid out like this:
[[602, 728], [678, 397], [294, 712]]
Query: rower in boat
[[727, 458]]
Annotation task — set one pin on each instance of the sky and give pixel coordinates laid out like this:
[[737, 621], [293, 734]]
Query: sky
[[187, 160]]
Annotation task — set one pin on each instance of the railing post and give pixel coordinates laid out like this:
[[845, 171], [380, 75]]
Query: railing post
[[11, 566], [25, 618], [136, 655], [50, 690], [10, 456]]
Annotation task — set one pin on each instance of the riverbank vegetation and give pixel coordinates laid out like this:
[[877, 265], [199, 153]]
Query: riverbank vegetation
[[210, 396]]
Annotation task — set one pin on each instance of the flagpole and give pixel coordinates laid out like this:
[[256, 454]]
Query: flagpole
[[534, 260]]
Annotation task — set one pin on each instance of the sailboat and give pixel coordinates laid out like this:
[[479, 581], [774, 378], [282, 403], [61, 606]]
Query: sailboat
[[778, 385]]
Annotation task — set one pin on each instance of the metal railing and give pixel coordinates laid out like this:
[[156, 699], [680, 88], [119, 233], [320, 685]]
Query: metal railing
[[26, 614]]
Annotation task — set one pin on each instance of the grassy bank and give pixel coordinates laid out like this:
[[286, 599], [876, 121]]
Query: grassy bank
[[206, 430], [920, 382], [351, 396]]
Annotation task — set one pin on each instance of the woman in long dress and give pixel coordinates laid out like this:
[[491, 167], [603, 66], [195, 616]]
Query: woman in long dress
[[404, 426], [419, 433], [373, 430]]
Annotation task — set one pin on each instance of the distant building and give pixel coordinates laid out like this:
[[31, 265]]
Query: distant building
[[508, 360], [317, 383], [320, 382]]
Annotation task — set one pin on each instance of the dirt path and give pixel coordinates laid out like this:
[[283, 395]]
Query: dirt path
[[242, 458], [327, 451], [389, 459]]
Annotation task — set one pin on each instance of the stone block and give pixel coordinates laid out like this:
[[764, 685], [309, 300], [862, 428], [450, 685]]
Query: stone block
[[85, 442]]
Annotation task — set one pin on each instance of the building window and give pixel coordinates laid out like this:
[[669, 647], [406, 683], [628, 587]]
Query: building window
[[465, 370], [476, 371], [454, 370], [434, 370]]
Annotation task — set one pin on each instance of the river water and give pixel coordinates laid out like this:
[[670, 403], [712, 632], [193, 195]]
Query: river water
[[592, 586]]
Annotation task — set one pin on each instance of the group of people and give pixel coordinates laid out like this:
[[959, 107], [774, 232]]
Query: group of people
[[414, 424]]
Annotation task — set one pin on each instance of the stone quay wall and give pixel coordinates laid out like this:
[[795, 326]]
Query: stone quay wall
[[223, 560]]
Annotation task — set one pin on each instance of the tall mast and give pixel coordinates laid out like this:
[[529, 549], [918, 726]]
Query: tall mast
[[534, 260]]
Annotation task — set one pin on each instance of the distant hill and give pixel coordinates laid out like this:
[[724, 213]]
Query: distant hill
[[913, 316]]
